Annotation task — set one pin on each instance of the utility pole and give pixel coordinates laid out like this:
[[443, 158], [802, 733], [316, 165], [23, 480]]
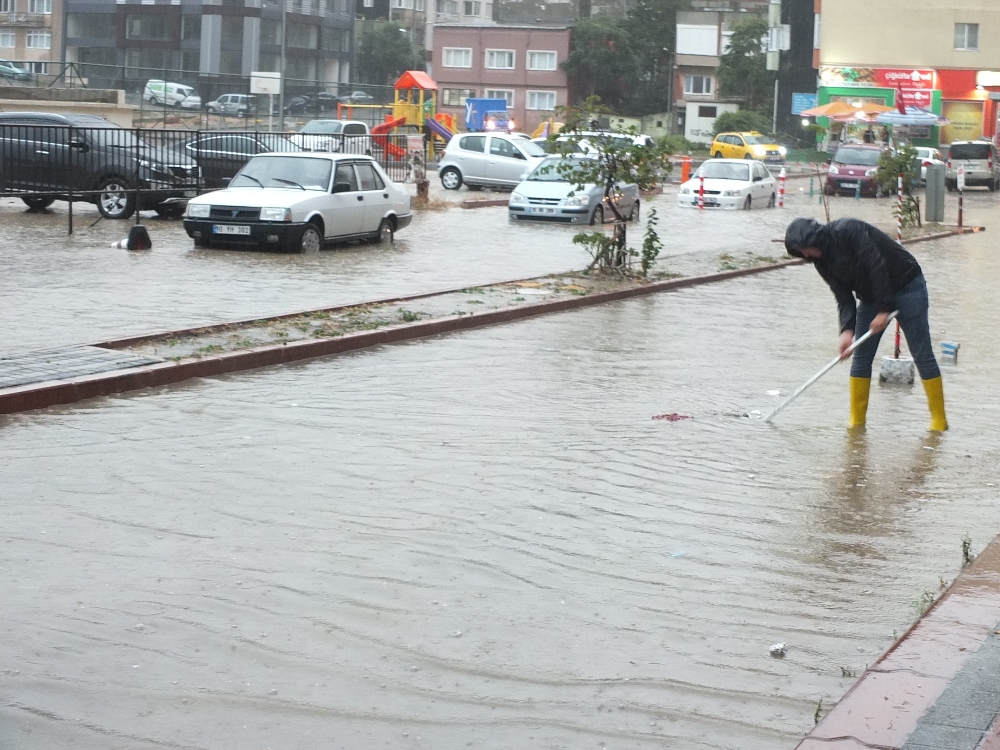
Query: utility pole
[[281, 91]]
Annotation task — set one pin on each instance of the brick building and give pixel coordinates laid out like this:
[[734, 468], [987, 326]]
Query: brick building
[[30, 30]]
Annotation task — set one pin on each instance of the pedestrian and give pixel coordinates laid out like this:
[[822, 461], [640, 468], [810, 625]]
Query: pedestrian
[[856, 259], [885, 134], [869, 136]]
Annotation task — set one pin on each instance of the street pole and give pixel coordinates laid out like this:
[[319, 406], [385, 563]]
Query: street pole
[[281, 91], [774, 119]]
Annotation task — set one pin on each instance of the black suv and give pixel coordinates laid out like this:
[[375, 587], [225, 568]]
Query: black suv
[[47, 157]]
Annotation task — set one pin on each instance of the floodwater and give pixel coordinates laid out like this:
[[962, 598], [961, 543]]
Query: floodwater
[[483, 539], [60, 290]]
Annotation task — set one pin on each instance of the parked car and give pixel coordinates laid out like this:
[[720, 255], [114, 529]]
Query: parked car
[[546, 195], [926, 157], [221, 155], [300, 201], [852, 166], [730, 183], [232, 104], [979, 158], [750, 145], [357, 97], [481, 159], [306, 103], [589, 142], [350, 136], [11, 71], [177, 95], [48, 156]]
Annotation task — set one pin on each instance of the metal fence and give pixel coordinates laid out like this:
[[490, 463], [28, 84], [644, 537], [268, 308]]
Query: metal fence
[[123, 170]]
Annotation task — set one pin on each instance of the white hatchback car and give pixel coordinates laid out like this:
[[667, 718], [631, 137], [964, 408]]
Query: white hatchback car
[[177, 95], [297, 202], [487, 159], [730, 183]]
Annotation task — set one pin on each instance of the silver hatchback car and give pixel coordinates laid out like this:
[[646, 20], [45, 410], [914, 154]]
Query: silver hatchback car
[[979, 162], [487, 159]]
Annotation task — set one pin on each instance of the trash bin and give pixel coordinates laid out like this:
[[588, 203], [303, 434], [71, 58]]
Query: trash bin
[[934, 197]]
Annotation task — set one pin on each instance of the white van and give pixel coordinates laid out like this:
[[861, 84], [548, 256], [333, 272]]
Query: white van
[[172, 94]]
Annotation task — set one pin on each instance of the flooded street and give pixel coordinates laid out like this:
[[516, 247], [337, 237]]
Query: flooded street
[[481, 539]]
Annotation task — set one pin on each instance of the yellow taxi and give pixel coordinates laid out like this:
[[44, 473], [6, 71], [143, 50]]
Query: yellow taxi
[[750, 145]]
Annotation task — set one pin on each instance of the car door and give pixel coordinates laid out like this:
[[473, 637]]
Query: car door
[[470, 156], [375, 196], [207, 152], [52, 162], [344, 214], [504, 164]]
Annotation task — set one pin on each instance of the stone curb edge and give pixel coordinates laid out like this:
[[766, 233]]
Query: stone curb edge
[[52, 393]]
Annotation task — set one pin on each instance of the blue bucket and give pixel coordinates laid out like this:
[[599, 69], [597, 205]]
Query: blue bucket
[[949, 349]]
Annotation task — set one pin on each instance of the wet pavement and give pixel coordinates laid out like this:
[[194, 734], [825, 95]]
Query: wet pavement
[[480, 539]]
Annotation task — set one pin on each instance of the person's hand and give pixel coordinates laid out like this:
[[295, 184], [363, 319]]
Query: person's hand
[[846, 339], [879, 322]]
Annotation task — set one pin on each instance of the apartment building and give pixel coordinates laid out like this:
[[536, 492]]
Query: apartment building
[[209, 38], [520, 64], [409, 14], [30, 30], [945, 57]]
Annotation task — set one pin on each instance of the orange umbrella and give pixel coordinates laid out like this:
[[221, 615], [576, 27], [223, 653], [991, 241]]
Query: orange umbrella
[[867, 112], [833, 109]]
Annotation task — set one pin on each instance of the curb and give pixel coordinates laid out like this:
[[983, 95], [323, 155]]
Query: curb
[[485, 203], [51, 393]]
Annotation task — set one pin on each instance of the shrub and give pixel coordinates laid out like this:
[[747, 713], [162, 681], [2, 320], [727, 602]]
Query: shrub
[[741, 121]]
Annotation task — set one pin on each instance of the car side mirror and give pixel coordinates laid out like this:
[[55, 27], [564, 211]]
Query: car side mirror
[[757, 178], [341, 187], [226, 181], [524, 176]]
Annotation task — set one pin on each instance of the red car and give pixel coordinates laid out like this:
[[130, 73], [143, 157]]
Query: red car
[[854, 164]]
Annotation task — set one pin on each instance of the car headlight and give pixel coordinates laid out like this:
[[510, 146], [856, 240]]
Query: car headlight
[[871, 172], [759, 150], [685, 191], [276, 214], [731, 193], [198, 210], [833, 170], [782, 150], [577, 200], [516, 197]]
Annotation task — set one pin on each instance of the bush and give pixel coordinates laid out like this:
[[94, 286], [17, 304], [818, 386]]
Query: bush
[[741, 122], [678, 144]]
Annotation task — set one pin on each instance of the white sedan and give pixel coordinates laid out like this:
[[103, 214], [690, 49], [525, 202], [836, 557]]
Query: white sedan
[[730, 183], [298, 202]]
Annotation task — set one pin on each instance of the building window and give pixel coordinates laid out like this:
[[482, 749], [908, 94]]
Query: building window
[[419, 6], [6, 6], [39, 40], [967, 36], [38, 67], [457, 57], [709, 112], [147, 28], [541, 60], [86, 25], [500, 59], [8, 39], [302, 36], [456, 97], [43, 7], [544, 100], [191, 28], [697, 84], [232, 31], [506, 94], [472, 7]]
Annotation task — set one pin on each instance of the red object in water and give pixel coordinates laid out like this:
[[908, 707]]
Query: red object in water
[[671, 417]]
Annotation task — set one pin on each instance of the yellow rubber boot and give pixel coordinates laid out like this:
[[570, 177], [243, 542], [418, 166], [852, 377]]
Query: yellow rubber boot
[[859, 401], [935, 402]]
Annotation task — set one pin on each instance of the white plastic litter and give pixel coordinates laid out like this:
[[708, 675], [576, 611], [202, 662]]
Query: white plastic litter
[[778, 650]]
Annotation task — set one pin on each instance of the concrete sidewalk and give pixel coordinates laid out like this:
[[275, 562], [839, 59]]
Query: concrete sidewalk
[[938, 686]]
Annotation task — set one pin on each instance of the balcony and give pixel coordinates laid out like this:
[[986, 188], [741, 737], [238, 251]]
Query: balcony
[[25, 20]]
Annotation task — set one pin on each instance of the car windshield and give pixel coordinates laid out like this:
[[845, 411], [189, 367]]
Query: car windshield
[[970, 151], [292, 172], [861, 157], [752, 140], [530, 148], [720, 170], [548, 170], [322, 126]]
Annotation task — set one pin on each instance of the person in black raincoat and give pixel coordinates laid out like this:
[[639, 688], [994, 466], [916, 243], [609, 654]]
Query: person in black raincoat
[[858, 260]]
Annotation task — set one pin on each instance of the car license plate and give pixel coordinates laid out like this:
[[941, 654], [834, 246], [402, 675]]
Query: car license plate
[[848, 184], [538, 210], [230, 229]]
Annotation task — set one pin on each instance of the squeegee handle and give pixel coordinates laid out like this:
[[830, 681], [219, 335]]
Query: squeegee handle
[[829, 366]]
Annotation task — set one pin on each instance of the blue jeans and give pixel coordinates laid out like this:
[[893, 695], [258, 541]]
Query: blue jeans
[[912, 305]]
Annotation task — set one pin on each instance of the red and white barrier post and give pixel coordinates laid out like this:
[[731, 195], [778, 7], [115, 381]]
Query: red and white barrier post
[[701, 192], [782, 176], [899, 211]]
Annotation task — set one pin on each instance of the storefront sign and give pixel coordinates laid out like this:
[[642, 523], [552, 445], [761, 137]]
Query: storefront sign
[[966, 121], [802, 102], [882, 78], [916, 98]]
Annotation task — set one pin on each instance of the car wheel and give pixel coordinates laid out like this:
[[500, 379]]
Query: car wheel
[[634, 216], [718, 154], [115, 199], [748, 203], [748, 156], [309, 242], [952, 186], [597, 218], [770, 201], [38, 202], [451, 179], [993, 186], [386, 234], [170, 210], [153, 101]]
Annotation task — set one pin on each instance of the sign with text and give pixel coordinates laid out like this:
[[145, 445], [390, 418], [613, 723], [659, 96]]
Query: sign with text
[[966, 121], [802, 102], [878, 78]]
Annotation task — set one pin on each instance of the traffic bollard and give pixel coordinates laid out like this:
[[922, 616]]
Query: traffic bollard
[[782, 176], [701, 193]]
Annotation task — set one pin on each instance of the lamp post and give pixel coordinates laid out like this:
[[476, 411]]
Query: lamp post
[[281, 69]]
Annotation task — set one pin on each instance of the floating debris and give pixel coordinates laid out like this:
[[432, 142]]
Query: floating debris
[[778, 650], [671, 417]]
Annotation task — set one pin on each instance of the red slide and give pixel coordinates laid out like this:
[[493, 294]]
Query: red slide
[[382, 130]]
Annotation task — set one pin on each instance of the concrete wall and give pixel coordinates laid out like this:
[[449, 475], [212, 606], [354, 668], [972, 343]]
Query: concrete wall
[[699, 129], [908, 33], [120, 114]]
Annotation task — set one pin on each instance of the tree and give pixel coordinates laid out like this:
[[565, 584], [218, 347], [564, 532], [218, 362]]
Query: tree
[[601, 60], [613, 157], [742, 121], [652, 30], [743, 68], [385, 53]]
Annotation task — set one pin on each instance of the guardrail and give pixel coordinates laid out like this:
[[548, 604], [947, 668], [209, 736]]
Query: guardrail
[[126, 170]]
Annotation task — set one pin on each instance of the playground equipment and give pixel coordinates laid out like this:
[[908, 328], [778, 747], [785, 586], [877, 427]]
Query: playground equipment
[[487, 114], [547, 128]]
